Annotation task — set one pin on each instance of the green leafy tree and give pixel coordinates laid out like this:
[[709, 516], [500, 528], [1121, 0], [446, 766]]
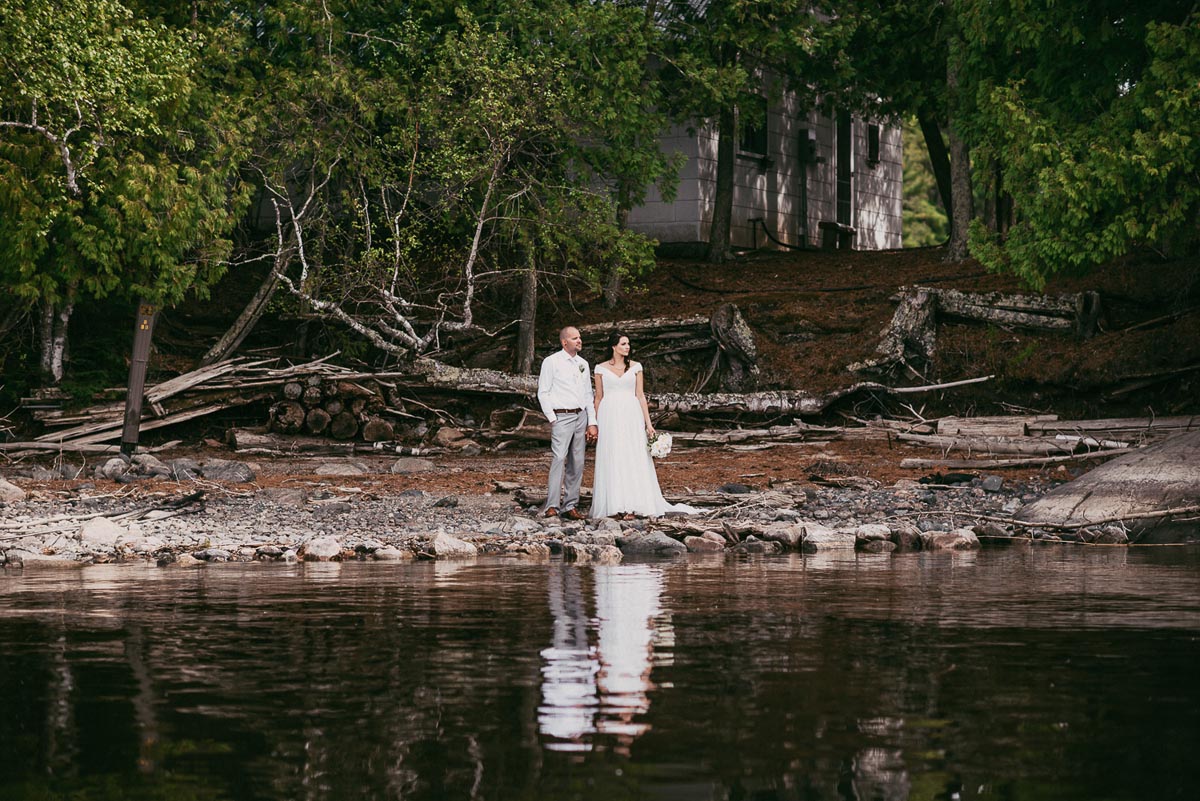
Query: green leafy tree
[[111, 181], [1093, 119], [413, 156]]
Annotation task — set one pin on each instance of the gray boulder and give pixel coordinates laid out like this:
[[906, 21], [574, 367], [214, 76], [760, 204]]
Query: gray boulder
[[445, 546], [702, 545], [10, 493], [652, 544], [960, 539], [322, 549], [227, 470]]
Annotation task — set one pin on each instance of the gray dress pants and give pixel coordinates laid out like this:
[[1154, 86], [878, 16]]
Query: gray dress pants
[[568, 444]]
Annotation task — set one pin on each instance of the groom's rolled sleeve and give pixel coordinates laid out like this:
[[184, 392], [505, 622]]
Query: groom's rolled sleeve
[[545, 385]]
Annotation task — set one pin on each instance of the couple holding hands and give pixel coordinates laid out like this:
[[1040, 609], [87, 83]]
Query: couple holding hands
[[614, 416]]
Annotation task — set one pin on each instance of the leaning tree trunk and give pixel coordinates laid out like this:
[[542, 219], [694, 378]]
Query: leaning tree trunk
[[718, 236], [939, 157], [52, 338], [246, 321], [529, 300], [612, 280], [960, 164]]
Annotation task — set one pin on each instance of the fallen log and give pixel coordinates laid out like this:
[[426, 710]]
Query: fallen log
[[246, 441], [991, 464], [1125, 428], [991, 426], [1076, 312], [1029, 446]]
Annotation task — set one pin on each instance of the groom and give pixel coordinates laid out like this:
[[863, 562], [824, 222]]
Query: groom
[[565, 395]]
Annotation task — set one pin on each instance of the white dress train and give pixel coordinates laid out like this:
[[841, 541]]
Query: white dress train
[[625, 480]]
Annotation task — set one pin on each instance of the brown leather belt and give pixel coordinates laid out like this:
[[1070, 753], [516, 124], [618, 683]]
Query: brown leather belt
[[567, 411]]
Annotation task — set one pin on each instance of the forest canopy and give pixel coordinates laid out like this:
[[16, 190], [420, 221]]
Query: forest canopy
[[385, 163]]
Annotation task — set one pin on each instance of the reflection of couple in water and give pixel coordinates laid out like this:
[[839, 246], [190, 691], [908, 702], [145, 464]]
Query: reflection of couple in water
[[603, 689], [613, 414]]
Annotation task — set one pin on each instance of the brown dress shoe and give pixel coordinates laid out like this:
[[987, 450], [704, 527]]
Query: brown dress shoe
[[574, 514], [551, 512]]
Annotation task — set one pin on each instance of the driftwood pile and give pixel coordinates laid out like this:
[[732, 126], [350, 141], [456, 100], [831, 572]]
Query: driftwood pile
[[911, 337], [723, 341], [342, 409]]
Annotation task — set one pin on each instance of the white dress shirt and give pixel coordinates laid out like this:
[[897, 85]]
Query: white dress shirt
[[565, 383]]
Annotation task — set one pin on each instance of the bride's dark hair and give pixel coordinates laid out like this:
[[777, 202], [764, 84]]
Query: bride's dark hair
[[613, 339]]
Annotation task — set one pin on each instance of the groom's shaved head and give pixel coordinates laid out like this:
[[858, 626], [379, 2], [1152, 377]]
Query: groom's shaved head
[[567, 332]]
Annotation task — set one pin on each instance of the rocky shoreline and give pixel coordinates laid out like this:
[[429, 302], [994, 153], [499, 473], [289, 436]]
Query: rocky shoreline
[[188, 513]]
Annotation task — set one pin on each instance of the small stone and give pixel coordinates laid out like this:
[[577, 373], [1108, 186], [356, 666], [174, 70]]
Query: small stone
[[39, 473], [992, 483], [961, 539], [268, 552], [445, 546], [113, 468], [696, 544], [787, 535], [818, 538], [390, 554], [184, 469], [447, 502], [284, 496], [11, 493], [755, 545], [213, 555], [149, 465], [100, 532], [227, 470], [735, 489], [871, 532], [448, 437], [655, 543], [340, 469], [322, 549], [409, 465], [1112, 535]]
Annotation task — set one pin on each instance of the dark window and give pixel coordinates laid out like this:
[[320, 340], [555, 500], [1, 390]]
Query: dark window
[[753, 113], [844, 186], [872, 145]]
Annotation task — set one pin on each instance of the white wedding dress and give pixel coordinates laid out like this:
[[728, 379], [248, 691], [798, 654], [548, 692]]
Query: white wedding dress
[[625, 480]]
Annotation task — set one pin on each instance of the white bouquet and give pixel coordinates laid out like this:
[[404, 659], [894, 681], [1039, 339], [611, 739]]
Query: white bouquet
[[659, 445]]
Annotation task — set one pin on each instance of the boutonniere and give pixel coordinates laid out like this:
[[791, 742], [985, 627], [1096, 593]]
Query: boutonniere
[[581, 368]]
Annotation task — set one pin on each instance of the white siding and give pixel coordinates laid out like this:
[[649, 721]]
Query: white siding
[[771, 190]]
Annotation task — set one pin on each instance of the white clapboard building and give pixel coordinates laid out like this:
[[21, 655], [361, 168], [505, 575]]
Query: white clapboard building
[[804, 179]]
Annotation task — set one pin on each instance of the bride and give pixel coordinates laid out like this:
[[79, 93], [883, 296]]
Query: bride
[[625, 482]]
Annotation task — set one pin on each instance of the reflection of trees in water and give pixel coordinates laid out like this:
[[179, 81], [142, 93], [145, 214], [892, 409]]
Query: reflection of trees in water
[[771, 678], [602, 688]]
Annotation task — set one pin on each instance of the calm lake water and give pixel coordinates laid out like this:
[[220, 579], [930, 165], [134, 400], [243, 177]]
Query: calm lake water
[[1051, 673]]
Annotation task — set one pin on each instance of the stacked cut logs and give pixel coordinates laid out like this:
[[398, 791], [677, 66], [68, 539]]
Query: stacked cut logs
[[340, 409]]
